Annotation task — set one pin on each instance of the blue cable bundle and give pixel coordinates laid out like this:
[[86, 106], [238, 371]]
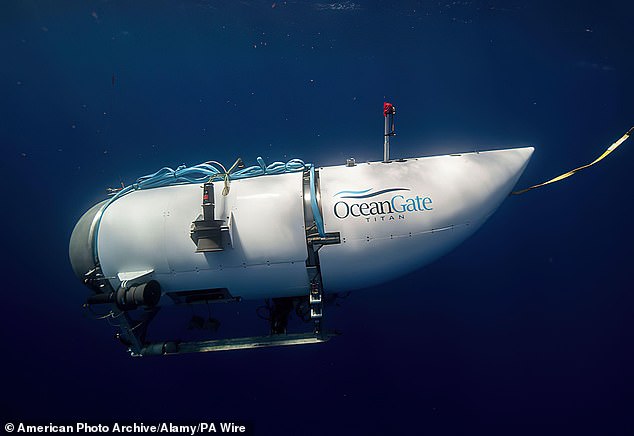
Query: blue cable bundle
[[207, 171], [201, 173]]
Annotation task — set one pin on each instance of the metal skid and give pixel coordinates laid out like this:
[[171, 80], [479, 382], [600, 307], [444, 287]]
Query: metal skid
[[133, 335], [133, 321], [168, 348]]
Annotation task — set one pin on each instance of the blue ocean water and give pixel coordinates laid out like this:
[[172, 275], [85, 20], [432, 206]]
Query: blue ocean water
[[526, 328]]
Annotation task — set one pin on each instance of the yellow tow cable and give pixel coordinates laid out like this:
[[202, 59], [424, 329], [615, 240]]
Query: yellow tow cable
[[610, 149]]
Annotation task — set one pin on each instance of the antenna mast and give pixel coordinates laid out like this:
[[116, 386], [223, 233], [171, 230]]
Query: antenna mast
[[389, 111]]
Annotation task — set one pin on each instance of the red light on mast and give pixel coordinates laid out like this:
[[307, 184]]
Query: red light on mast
[[388, 109]]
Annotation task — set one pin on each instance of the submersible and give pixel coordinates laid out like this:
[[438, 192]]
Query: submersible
[[292, 233]]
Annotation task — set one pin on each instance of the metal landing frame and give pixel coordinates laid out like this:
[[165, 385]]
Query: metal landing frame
[[171, 347]]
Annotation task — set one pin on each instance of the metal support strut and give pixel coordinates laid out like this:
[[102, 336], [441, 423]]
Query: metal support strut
[[316, 305]]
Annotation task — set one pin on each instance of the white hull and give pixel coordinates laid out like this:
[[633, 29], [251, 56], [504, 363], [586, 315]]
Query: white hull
[[430, 206]]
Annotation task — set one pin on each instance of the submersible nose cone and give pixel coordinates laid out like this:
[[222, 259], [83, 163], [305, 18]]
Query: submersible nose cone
[[81, 246]]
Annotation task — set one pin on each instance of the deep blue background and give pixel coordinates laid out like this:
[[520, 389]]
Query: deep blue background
[[527, 328]]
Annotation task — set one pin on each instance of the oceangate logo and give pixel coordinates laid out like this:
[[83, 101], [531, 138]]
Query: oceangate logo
[[396, 207]]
